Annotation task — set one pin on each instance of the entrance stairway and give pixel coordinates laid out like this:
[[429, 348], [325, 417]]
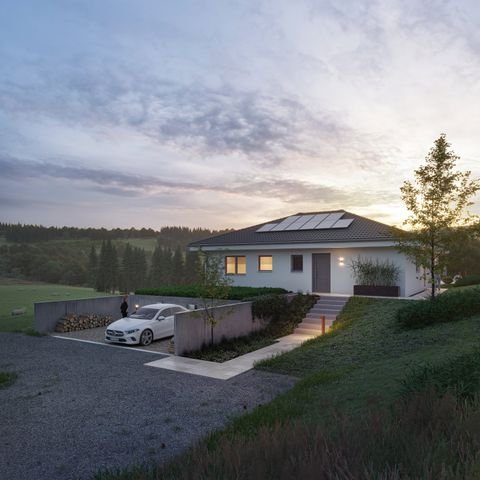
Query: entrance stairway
[[327, 305]]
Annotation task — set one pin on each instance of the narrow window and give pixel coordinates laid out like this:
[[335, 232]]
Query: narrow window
[[241, 265], [297, 263], [265, 263], [230, 265]]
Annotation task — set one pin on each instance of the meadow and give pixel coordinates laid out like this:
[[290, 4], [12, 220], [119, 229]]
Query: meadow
[[15, 294]]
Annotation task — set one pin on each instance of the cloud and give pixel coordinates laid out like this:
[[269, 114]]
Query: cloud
[[122, 184]]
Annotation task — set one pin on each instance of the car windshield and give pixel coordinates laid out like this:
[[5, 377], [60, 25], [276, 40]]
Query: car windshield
[[145, 313]]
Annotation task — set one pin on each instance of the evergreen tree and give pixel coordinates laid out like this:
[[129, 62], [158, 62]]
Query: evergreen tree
[[126, 270], [139, 268], [192, 268], [101, 278], [156, 274], [92, 266], [178, 267]]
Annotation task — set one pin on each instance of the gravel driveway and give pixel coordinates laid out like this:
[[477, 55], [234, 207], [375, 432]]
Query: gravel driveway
[[79, 407]]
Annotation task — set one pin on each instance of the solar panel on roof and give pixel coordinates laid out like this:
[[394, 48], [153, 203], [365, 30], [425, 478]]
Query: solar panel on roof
[[311, 224], [343, 223], [330, 220], [297, 224], [267, 227], [285, 223]]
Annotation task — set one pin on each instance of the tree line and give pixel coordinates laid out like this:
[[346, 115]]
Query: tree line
[[166, 236], [111, 272], [111, 266]]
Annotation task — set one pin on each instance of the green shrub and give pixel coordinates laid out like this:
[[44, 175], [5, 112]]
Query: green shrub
[[444, 308], [460, 377], [468, 280], [196, 291], [269, 307]]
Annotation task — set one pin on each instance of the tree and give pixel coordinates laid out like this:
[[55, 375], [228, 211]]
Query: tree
[[215, 285], [178, 267], [438, 202], [92, 266], [107, 276]]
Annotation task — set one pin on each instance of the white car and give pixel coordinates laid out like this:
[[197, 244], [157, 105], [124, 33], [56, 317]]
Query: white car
[[147, 324]]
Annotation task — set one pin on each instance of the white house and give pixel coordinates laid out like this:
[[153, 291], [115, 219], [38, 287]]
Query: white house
[[309, 252]]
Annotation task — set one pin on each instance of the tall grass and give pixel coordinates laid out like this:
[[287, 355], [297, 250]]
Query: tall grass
[[367, 271], [426, 438]]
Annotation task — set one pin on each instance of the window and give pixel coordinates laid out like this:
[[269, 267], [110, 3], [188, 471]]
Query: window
[[236, 265], [297, 263], [265, 263]]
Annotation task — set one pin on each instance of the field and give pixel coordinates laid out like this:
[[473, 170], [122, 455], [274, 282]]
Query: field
[[16, 295]]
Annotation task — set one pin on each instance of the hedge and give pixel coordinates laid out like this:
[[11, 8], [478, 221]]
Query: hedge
[[195, 291], [448, 307]]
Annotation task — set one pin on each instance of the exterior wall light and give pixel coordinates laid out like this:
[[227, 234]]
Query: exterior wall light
[[341, 261]]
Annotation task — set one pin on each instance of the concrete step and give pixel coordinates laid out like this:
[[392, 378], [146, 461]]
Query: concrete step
[[309, 324], [333, 299], [316, 321], [321, 311], [318, 316]]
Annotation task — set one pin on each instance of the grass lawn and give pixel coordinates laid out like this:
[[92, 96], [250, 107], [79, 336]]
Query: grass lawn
[[148, 244], [24, 295], [356, 368]]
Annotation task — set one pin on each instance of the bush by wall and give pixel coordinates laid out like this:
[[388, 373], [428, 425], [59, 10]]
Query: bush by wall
[[448, 307], [196, 291], [283, 316], [468, 280]]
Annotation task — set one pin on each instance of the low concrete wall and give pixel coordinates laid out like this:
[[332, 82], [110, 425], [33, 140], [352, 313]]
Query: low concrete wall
[[47, 314], [234, 320]]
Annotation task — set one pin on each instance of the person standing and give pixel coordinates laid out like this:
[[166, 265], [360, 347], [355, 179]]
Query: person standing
[[124, 307]]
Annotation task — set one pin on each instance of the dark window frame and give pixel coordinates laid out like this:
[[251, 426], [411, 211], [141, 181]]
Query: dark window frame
[[299, 257]]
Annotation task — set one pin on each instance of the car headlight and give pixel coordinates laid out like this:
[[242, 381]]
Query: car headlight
[[129, 332]]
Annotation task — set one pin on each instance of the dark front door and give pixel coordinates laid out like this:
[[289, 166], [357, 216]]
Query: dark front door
[[321, 272]]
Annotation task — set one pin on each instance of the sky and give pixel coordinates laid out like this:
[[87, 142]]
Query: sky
[[225, 114]]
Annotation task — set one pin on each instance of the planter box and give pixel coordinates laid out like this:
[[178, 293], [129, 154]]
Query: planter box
[[377, 291]]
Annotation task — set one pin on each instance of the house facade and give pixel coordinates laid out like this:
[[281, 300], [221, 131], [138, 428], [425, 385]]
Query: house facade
[[309, 252]]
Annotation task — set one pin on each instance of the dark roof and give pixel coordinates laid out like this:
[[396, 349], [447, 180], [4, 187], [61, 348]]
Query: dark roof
[[360, 230]]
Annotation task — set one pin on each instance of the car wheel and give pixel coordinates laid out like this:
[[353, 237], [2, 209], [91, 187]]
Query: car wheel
[[146, 338]]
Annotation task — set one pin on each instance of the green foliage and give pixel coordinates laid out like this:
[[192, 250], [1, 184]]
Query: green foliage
[[107, 274], [7, 378], [374, 272], [196, 291], [448, 307], [437, 202], [468, 280], [232, 348], [270, 308], [459, 376]]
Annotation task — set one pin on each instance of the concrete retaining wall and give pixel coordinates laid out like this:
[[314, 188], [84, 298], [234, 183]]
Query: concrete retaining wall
[[47, 314], [234, 320]]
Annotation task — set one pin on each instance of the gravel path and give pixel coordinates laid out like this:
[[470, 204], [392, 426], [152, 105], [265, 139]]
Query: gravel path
[[78, 407]]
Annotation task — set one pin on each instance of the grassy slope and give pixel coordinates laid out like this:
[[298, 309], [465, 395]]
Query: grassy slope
[[359, 364], [20, 295], [356, 367]]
